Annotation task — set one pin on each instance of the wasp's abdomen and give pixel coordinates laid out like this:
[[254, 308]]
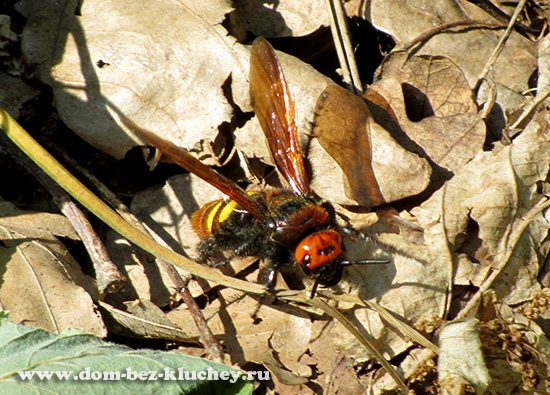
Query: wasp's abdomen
[[224, 226], [208, 218]]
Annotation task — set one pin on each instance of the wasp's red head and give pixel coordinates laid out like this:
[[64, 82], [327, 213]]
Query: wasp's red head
[[320, 256]]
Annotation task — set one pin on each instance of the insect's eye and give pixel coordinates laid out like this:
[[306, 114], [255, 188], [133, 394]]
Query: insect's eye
[[306, 260]]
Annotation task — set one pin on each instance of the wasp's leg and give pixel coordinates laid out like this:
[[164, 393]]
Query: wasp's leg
[[268, 277]]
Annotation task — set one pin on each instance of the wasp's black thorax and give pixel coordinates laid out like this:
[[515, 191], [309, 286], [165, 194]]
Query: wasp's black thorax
[[297, 216]]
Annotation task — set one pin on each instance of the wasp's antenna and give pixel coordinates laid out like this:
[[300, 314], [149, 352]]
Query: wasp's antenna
[[366, 262]]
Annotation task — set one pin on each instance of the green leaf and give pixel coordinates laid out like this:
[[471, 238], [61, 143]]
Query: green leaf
[[80, 363]]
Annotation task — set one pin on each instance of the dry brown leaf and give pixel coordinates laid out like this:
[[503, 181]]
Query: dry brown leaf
[[143, 319], [281, 19], [35, 224], [434, 107], [166, 80], [157, 62], [165, 99], [481, 205], [247, 340], [543, 72], [337, 367], [290, 341], [411, 288], [42, 285], [381, 171], [433, 85], [469, 49]]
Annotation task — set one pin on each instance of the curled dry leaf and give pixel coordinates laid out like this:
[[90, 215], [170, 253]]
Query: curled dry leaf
[[143, 319], [42, 284], [423, 104], [376, 169], [461, 362]]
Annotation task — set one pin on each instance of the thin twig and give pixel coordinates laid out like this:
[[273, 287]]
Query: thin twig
[[468, 24], [448, 256], [342, 42], [109, 279], [104, 192], [511, 131], [503, 17], [206, 337], [500, 46]]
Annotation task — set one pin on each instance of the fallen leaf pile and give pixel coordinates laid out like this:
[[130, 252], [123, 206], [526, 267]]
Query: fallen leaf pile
[[460, 204]]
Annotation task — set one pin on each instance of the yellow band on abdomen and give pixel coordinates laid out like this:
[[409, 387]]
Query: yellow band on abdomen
[[212, 216], [226, 211]]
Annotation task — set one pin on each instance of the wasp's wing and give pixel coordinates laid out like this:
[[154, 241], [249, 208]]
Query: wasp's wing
[[195, 166], [273, 104]]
